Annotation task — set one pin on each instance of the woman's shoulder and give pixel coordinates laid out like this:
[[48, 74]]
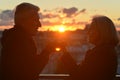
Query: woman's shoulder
[[101, 51], [102, 48]]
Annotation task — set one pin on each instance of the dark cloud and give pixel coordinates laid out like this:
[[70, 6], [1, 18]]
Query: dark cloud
[[83, 11], [6, 17], [44, 23], [70, 11], [118, 19], [6, 23], [79, 12], [61, 13], [48, 15], [58, 14], [48, 23]]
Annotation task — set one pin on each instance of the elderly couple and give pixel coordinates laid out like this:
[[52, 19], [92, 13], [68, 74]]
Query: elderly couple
[[20, 61]]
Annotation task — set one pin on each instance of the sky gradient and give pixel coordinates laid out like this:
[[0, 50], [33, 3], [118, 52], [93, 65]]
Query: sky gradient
[[68, 13]]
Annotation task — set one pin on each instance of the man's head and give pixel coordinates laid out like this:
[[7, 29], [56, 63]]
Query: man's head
[[27, 17]]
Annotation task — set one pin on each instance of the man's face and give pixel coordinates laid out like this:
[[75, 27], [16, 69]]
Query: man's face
[[32, 23]]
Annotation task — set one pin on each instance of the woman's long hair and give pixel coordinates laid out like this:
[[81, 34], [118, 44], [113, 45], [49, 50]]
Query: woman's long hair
[[102, 32]]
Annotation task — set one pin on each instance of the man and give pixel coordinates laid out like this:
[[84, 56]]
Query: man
[[19, 58]]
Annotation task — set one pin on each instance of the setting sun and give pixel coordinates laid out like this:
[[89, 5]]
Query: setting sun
[[61, 29]]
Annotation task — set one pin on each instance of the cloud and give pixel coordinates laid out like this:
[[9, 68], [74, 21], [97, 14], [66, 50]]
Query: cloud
[[118, 19], [48, 15], [61, 13], [79, 12], [6, 17], [48, 23], [83, 11], [70, 11], [52, 17]]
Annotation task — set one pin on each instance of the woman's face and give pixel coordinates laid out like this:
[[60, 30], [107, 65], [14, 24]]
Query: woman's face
[[92, 34]]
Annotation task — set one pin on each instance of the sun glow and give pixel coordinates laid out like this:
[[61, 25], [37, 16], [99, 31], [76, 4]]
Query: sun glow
[[57, 49], [61, 28]]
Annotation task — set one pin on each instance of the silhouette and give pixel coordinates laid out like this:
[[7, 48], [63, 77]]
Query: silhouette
[[100, 62], [19, 58], [66, 63]]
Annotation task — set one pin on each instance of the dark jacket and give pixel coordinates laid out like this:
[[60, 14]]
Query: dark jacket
[[19, 58], [100, 64], [66, 64]]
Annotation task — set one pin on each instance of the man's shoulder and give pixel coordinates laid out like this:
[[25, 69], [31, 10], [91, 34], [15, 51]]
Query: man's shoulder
[[11, 35], [8, 31]]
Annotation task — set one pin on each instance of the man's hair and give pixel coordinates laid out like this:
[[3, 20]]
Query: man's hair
[[23, 9]]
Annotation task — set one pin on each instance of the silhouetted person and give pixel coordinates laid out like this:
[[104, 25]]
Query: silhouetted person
[[66, 63], [100, 62], [19, 58]]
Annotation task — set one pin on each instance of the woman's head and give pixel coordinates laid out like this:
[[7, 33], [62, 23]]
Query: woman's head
[[102, 31]]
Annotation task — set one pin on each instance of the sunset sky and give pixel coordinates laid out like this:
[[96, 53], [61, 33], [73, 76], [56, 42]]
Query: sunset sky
[[70, 14]]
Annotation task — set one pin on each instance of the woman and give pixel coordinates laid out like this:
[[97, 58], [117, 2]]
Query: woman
[[100, 62]]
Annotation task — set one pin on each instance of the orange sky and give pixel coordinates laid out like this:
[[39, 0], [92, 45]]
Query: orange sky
[[72, 14]]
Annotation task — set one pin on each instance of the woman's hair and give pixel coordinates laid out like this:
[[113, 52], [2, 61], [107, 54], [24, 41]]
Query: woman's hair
[[102, 31]]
